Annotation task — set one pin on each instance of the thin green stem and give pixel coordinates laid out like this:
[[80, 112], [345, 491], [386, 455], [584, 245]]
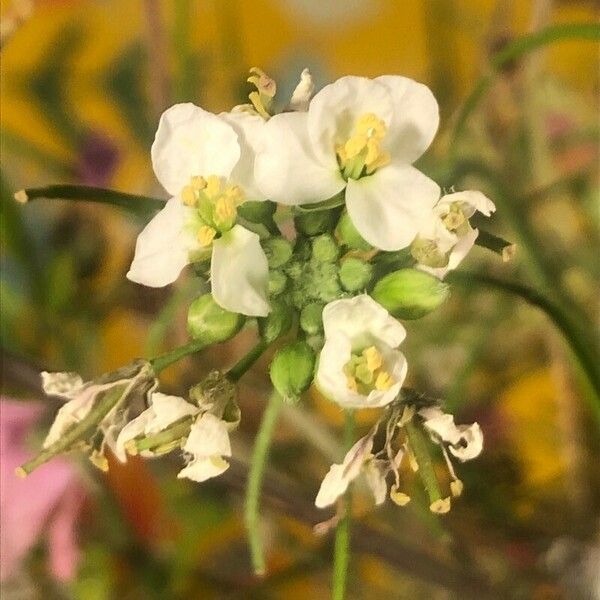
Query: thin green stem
[[341, 548], [513, 51], [582, 350], [165, 360], [235, 373], [141, 205], [258, 462]]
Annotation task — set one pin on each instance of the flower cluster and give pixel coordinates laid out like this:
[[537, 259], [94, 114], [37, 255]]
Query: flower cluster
[[373, 239]]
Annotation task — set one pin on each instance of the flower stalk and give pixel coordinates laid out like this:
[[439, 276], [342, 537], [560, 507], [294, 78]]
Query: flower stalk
[[341, 549]]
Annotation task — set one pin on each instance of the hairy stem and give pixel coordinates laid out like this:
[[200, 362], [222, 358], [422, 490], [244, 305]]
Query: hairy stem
[[258, 462], [341, 548]]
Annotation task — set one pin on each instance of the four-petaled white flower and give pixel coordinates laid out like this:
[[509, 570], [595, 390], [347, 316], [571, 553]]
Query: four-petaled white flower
[[206, 163], [464, 441], [447, 236], [360, 365], [362, 136]]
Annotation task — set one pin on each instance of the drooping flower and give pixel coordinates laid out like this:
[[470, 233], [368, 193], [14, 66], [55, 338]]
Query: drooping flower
[[447, 236], [206, 163], [360, 365], [94, 411], [362, 136]]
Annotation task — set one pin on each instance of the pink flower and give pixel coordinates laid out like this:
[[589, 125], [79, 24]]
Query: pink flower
[[47, 502]]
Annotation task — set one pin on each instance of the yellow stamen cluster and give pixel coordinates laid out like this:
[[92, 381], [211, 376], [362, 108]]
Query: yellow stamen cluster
[[215, 203], [366, 372], [362, 154], [455, 217]]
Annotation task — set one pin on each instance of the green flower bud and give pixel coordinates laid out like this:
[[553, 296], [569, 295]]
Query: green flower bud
[[348, 234], [316, 222], [257, 212], [324, 249], [311, 318], [355, 274], [209, 322], [277, 282], [292, 370], [409, 293], [277, 322], [278, 251]]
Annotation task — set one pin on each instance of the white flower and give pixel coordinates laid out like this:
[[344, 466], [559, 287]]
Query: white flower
[[359, 365], [357, 460], [464, 441], [361, 135], [447, 236], [206, 162], [207, 444], [163, 412]]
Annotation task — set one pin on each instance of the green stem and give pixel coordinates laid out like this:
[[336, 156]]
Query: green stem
[[142, 205], [419, 447], [258, 462], [239, 369], [341, 548], [513, 51], [580, 347], [165, 360]]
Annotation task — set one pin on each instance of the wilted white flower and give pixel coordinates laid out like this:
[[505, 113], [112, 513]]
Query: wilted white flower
[[206, 162], [464, 441], [362, 136], [447, 236], [359, 365]]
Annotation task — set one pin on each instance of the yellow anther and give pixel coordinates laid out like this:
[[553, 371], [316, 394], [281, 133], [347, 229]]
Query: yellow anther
[[198, 182], [188, 195], [384, 381], [206, 235], [264, 84], [454, 219], [456, 487], [355, 145], [213, 186], [225, 211], [235, 194], [373, 358], [371, 126]]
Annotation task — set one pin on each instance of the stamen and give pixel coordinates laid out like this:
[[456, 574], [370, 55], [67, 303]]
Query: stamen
[[206, 235], [384, 381], [213, 186], [225, 211], [373, 358], [188, 195]]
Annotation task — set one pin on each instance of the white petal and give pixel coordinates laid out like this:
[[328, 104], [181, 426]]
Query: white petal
[[302, 93], [249, 129], [204, 468], [339, 477], [361, 317], [457, 254], [239, 273], [208, 437], [62, 385], [476, 200], [375, 472], [162, 248], [416, 117], [287, 170], [334, 111], [389, 207], [465, 441], [191, 141], [133, 429], [71, 413], [167, 410]]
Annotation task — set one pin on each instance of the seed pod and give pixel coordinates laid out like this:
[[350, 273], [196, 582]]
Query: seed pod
[[292, 370], [209, 322]]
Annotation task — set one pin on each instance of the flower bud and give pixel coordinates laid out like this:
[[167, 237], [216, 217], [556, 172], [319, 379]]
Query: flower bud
[[257, 212], [355, 274], [292, 370], [209, 322], [348, 234], [324, 249], [409, 293], [315, 222], [311, 318], [277, 282], [278, 251], [277, 322]]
